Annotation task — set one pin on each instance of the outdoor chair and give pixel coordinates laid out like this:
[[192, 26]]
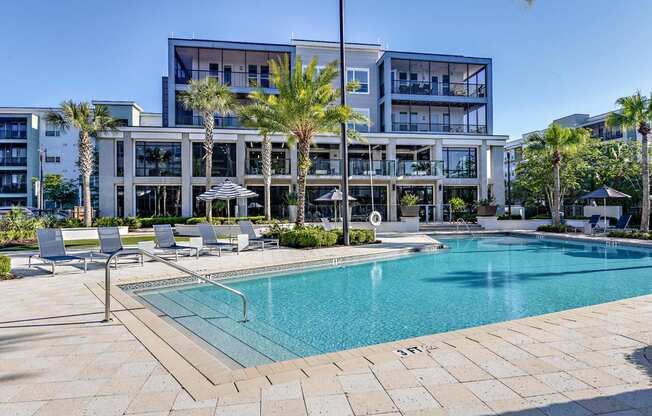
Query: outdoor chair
[[210, 242], [165, 242], [621, 224], [246, 227], [110, 243], [52, 249], [326, 223]]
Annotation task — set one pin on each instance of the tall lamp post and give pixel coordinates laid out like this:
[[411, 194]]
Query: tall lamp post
[[345, 149], [509, 184]]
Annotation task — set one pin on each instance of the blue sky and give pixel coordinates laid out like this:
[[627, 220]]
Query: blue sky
[[556, 58]]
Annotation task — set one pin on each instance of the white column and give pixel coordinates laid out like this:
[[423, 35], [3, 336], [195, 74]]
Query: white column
[[392, 210], [106, 168], [498, 175], [439, 184], [186, 175], [240, 155], [129, 173], [482, 171]]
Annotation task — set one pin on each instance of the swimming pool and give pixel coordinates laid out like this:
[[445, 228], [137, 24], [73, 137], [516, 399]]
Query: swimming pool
[[474, 282]]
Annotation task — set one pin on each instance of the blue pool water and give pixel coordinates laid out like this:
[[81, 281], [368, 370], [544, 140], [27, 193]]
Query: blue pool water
[[475, 282]]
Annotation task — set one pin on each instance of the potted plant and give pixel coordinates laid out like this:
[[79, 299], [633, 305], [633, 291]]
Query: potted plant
[[291, 199], [486, 208], [409, 206], [457, 205]]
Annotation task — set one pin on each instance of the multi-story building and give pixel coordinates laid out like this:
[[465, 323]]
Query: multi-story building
[[431, 134]]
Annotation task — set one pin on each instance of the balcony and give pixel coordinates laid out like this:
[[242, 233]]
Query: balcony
[[227, 122], [325, 167], [420, 168], [279, 167], [13, 188], [13, 161], [440, 128], [451, 89], [361, 167], [231, 79]]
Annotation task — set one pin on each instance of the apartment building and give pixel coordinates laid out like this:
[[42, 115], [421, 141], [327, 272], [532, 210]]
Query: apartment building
[[431, 134]]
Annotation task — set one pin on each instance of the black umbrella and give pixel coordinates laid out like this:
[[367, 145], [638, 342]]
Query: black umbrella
[[334, 196], [604, 193]]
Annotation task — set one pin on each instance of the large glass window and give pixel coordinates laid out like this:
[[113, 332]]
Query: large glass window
[[13, 182], [362, 76], [158, 159], [469, 194], [460, 162], [360, 127], [13, 128], [119, 158], [158, 201], [219, 207], [315, 210], [223, 160], [256, 205], [119, 201], [361, 207], [425, 197]]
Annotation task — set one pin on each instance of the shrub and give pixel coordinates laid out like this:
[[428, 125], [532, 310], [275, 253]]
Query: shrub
[[71, 223], [457, 204], [631, 234], [409, 200], [5, 268], [109, 222], [150, 221], [257, 219], [356, 236], [305, 237], [556, 228], [292, 198], [133, 223], [540, 217], [275, 230]]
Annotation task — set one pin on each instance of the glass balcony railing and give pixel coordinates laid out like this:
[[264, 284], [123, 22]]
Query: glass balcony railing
[[363, 167], [439, 128], [13, 188], [420, 168], [279, 167], [450, 89], [227, 122], [229, 78], [325, 167], [13, 161]]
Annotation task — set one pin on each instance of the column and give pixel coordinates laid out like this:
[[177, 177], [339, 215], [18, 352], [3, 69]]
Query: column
[[186, 175], [129, 170], [392, 210], [498, 175], [294, 156], [240, 155], [439, 183], [106, 169], [482, 171]]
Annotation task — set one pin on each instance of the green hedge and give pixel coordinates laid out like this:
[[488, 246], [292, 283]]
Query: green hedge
[[309, 237], [5, 267], [151, 221], [225, 220], [508, 217], [356, 237], [556, 228], [639, 235]]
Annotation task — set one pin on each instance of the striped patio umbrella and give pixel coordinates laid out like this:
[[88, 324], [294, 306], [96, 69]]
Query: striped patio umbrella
[[227, 191]]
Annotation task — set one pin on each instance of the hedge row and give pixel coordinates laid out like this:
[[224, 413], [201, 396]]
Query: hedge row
[[316, 236], [556, 228]]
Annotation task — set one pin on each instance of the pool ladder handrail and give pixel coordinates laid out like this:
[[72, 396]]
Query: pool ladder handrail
[[462, 221], [131, 251]]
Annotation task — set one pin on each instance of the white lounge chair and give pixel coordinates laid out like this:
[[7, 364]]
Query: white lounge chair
[[110, 243], [52, 249], [210, 242], [326, 223], [165, 242], [246, 227]]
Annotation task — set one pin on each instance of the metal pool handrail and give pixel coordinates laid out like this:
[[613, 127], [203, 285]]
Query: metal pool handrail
[[107, 279], [462, 221]]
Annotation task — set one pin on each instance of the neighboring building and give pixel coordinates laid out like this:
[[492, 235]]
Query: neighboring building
[[23, 131], [431, 134]]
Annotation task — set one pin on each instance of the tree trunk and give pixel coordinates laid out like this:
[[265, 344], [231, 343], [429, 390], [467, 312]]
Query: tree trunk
[[645, 204], [302, 173], [209, 124], [267, 174], [85, 169], [556, 199]]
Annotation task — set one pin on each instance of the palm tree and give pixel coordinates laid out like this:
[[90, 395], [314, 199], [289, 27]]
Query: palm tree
[[557, 142], [90, 122], [636, 112], [258, 115], [207, 97], [305, 106]]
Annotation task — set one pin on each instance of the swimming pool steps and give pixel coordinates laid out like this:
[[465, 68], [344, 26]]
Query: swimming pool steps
[[249, 344]]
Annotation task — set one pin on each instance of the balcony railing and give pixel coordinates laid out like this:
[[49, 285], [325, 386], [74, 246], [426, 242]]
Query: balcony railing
[[440, 128], [231, 79], [4, 134], [420, 168], [450, 89], [227, 122], [325, 167], [13, 188], [279, 167], [362, 167], [13, 161]]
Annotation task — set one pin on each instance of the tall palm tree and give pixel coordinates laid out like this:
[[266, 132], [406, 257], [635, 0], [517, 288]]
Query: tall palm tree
[[636, 112], [258, 115], [305, 106], [207, 97], [557, 142], [90, 122]]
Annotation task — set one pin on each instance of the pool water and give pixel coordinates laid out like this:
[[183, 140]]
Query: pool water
[[474, 282]]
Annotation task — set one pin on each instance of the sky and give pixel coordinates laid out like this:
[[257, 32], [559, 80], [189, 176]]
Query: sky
[[552, 59]]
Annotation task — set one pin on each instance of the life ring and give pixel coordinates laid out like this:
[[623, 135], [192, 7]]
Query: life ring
[[375, 218]]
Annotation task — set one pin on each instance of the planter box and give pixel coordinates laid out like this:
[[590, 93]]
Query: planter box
[[493, 223], [86, 233], [487, 210], [409, 211]]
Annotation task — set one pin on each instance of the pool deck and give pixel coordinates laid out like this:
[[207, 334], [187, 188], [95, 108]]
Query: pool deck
[[57, 358]]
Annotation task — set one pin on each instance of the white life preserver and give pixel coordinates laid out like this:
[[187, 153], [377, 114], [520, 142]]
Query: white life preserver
[[375, 218]]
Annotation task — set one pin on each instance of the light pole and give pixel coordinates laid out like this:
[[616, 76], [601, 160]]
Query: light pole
[[345, 149], [41, 187], [509, 184]]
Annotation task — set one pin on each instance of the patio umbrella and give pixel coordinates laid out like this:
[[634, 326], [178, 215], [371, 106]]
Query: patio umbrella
[[604, 193], [334, 195], [226, 192]]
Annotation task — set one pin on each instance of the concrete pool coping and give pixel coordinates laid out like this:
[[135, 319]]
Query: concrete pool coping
[[205, 376]]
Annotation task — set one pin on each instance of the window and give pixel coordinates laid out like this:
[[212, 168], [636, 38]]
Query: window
[[223, 160], [460, 162], [119, 158], [264, 76], [360, 127], [158, 159], [219, 208], [52, 133], [253, 75], [362, 76], [52, 159], [119, 201], [153, 200], [467, 193]]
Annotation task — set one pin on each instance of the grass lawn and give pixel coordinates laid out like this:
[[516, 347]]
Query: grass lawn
[[129, 240]]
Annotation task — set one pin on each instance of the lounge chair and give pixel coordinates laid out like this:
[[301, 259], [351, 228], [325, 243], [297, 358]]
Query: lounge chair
[[246, 227], [209, 239], [326, 223], [110, 243], [52, 249], [166, 242], [621, 224]]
